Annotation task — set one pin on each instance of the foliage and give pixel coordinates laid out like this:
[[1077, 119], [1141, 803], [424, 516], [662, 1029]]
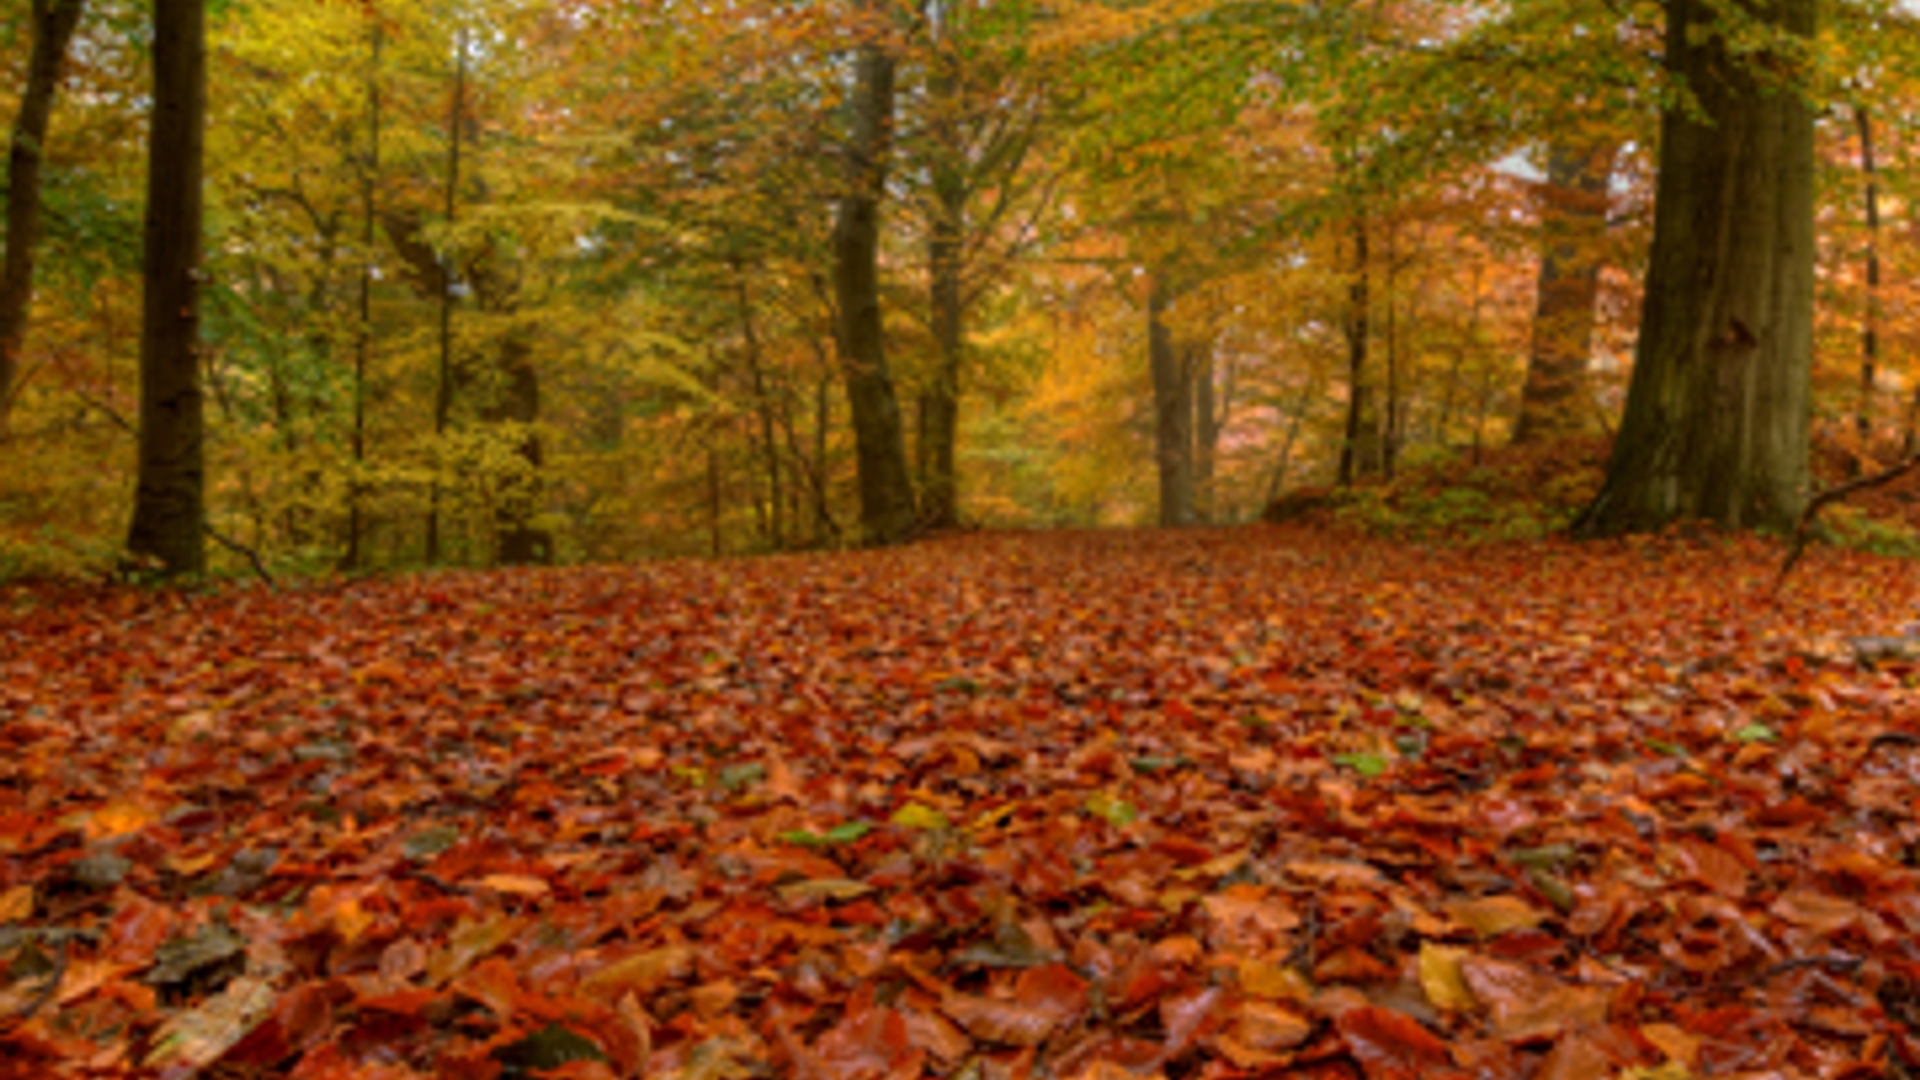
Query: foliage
[[1523, 493], [1161, 804]]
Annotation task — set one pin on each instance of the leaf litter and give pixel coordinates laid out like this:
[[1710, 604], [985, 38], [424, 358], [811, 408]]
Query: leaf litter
[[1215, 804]]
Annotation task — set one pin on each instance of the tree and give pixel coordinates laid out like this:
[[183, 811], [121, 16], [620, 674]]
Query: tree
[[54, 22], [1573, 220], [169, 511], [1718, 412], [886, 491]]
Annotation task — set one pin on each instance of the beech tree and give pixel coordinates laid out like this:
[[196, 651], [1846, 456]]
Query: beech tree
[[53, 24], [886, 486], [169, 508], [1718, 412]]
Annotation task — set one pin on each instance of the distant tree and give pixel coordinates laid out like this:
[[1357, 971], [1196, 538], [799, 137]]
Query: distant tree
[[53, 25]]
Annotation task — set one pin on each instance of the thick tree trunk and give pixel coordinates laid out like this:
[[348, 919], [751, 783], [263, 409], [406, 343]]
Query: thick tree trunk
[[1718, 412], [517, 540], [886, 484], [1172, 413], [54, 22], [169, 507], [1573, 213]]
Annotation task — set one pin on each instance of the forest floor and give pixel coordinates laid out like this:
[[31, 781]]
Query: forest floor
[[1253, 802]]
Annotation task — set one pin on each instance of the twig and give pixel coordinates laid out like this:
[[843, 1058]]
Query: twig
[[246, 552], [1827, 498]]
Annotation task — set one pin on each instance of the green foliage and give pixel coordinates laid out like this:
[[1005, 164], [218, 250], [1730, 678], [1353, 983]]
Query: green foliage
[[1515, 495], [1860, 530]]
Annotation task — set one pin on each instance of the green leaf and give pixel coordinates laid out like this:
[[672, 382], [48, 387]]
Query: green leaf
[[1756, 732], [1115, 810], [919, 816], [839, 834], [1368, 765]]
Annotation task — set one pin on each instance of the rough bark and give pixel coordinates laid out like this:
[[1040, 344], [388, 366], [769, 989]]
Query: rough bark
[[1573, 212], [886, 484], [169, 508], [1718, 416], [1172, 414], [54, 22]]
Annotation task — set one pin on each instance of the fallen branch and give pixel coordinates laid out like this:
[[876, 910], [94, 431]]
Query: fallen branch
[[245, 552], [1827, 498]]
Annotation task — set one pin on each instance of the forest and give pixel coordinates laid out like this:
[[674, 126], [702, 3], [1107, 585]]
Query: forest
[[506, 283], [975, 539]]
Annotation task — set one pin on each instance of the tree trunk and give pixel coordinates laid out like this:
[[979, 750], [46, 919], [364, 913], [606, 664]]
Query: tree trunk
[[1573, 218], [54, 22], [1172, 412], [517, 540], [169, 507], [1718, 415], [886, 485], [1208, 419], [949, 343], [1870, 323], [1352, 453], [355, 558], [443, 384]]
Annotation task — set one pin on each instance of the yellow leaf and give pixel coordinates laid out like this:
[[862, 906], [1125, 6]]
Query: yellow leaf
[[825, 889], [919, 816], [643, 972], [1491, 916], [117, 819], [1265, 979], [1683, 1048], [516, 884], [1440, 977], [16, 904]]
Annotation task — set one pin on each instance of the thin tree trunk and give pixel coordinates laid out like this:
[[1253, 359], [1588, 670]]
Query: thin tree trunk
[[1355, 325], [1173, 413], [1206, 431], [169, 509], [1277, 480], [1573, 219], [443, 387], [762, 405], [355, 558], [946, 270], [1718, 412], [1390, 422], [1870, 324], [54, 22], [886, 483]]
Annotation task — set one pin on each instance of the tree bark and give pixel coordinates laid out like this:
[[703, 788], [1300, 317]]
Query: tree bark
[[54, 22], [1870, 322], [1209, 417], [169, 507], [1353, 455], [886, 484], [1718, 414], [1172, 412], [355, 557], [1573, 213], [517, 541], [443, 384]]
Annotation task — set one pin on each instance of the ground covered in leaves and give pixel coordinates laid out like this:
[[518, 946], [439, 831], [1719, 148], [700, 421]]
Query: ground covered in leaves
[[1268, 802]]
